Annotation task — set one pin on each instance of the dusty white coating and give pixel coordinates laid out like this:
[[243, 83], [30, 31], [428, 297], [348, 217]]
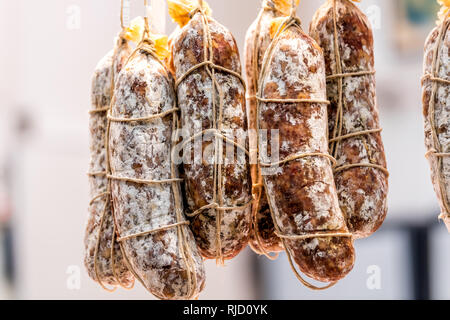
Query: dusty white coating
[[101, 91], [141, 150], [288, 70]]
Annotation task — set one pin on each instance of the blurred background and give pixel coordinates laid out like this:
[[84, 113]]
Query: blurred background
[[49, 51]]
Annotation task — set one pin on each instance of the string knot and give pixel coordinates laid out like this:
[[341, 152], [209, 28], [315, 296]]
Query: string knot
[[195, 11], [147, 45], [122, 36], [269, 5], [199, 8]]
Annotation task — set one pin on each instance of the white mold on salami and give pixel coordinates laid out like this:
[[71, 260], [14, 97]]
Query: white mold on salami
[[107, 273], [142, 150], [302, 194]]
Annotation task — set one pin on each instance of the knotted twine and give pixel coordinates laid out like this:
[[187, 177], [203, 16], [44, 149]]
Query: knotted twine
[[147, 46], [337, 136], [210, 67], [291, 21], [106, 196], [437, 150]]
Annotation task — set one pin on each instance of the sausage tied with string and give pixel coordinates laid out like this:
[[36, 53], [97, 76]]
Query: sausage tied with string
[[211, 97], [345, 36]]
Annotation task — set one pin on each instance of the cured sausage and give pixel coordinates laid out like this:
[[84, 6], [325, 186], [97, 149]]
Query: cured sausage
[[300, 186], [103, 258], [211, 96], [345, 36], [152, 229]]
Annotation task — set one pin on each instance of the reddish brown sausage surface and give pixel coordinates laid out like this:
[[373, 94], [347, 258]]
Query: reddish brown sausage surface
[[148, 209], [362, 190], [301, 192], [207, 183]]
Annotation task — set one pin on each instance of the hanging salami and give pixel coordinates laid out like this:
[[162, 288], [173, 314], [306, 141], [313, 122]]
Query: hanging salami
[[103, 258], [211, 96], [300, 187], [436, 109], [148, 209], [345, 36]]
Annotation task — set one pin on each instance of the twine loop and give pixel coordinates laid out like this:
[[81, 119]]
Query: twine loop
[[217, 206], [159, 229], [199, 8]]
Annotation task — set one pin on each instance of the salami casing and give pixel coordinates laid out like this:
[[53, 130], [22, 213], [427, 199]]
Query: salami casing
[[103, 258], [153, 232], [263, 239], [211, 96], [436, 111], [300, 187], [168, 61], [345, 36]]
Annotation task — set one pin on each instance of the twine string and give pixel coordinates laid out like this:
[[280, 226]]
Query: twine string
[[337, 135], [435, 79], [315, 235], [99, 110], [291, 21], [156, 230], [121, 15], [436, 151]]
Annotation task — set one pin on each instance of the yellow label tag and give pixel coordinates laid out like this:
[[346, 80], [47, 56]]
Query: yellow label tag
[[135, 31], [179, 10], [275, 26], [445, 5], [284, 6]]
